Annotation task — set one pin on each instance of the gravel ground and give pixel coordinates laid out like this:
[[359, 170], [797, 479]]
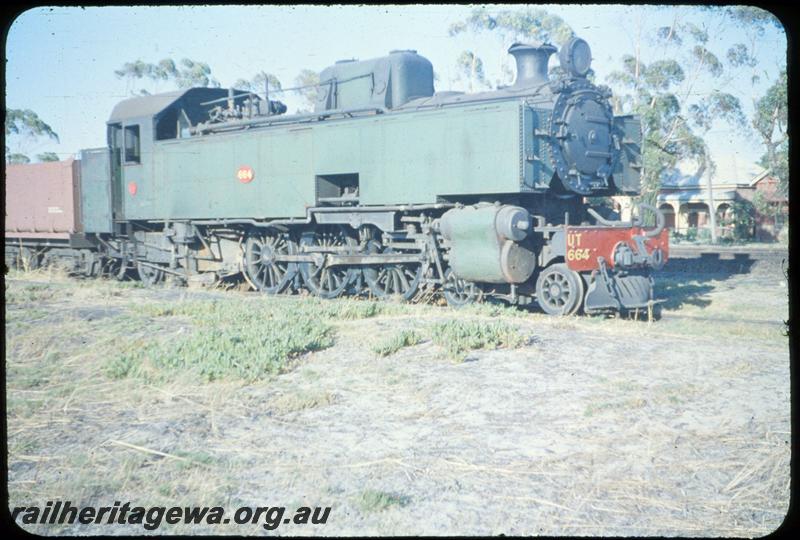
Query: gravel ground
[[594, 427]]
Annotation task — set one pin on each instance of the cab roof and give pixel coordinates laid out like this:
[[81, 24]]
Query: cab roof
[[154, 105]]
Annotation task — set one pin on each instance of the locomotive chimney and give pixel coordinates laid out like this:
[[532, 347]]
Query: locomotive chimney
[[531, 62]]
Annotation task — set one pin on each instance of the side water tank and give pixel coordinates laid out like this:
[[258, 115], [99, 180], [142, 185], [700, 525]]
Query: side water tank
[[488, 243], [385, 82]]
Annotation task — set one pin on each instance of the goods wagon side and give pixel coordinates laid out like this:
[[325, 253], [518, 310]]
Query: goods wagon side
[[43, 200]]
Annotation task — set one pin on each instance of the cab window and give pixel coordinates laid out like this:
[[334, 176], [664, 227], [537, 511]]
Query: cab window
[[132, 145]]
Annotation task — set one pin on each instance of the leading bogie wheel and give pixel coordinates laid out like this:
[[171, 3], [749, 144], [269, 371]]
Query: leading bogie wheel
[[459, 292], [559, 290]]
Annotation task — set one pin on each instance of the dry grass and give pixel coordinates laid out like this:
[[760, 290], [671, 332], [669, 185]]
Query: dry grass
[[457, 336], [371, 500], [397, 341], [599, 426], [300, 399]]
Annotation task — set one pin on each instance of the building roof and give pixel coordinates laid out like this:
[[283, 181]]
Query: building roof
[[697, 195], [730, 170], [760, 177]]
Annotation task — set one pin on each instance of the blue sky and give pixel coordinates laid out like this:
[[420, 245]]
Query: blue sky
[[61, 61]]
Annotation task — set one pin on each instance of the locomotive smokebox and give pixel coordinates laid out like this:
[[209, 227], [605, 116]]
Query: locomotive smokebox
[[531, 63]]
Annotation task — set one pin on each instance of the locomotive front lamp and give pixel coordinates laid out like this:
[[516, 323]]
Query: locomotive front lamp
[[575, 57]]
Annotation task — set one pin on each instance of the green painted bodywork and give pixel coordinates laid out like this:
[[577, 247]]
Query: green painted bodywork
[[475, 251], [402, 157], [95, 191], [627, 173]]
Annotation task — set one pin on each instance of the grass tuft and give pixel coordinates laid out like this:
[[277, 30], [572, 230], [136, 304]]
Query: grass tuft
[[395, 342], [244, 340], [372, 500], [31, 293], [458, 337], [300, 400]]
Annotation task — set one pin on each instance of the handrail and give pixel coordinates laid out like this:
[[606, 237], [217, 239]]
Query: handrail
[[636, 222]]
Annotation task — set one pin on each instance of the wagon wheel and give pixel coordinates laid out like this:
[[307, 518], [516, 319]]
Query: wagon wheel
[[119, 269], [260, 268], [322, 281], [116, 268], [559, 290], [386, 280], [149, 275], [459, 292]]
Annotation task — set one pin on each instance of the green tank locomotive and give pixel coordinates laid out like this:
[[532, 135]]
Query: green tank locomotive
[[386, 188]]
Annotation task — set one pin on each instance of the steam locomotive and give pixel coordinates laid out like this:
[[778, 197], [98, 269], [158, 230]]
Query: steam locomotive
[[387, 188]]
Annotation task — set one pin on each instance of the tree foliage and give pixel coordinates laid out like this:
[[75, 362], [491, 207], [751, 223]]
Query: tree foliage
[[674, 123], [770, 118], [771, 122], [307, 82], [184, 74], [531, 24], [718, 106], [25, 124], [754, 17], [778, 166], [17, 158], [47, 156], [739, 55], [470, 67], [742, 220], [256, 84], [764, 206], [528, 25]]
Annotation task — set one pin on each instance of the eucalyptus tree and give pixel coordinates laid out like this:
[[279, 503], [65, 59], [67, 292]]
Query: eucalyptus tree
[[667, 95], [307, 85], [47, 156], [25, 126], [516, 25], [17, 158], [258, 83], [184, 74], [527, 25], [770, 119], [470, 67]]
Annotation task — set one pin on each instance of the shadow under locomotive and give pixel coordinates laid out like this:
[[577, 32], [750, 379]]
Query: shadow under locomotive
[[686, 280]]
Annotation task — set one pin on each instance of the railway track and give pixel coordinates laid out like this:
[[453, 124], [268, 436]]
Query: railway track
[[671, 315], [765, 262], [728, 252]]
